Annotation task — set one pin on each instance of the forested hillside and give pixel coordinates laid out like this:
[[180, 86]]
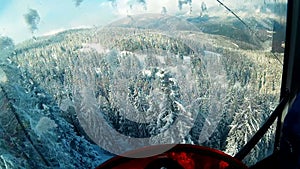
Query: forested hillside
[[217, 91]]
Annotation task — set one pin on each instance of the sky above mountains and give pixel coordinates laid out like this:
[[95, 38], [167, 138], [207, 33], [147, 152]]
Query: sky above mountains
[[55, 15], [59, 15]]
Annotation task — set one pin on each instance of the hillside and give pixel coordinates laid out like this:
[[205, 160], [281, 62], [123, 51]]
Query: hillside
[[211, 89]]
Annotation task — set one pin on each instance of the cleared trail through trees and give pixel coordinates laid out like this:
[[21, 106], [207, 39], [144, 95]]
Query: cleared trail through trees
[[217, 93]]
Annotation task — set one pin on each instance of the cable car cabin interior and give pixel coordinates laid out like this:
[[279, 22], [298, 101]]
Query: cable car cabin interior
[[210, 85]]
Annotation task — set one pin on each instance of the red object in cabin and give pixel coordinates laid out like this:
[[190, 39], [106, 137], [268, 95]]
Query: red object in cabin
[[181, 156]]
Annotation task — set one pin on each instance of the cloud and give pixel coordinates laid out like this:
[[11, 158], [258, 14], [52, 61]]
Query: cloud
[[56, 31], [133, 7]]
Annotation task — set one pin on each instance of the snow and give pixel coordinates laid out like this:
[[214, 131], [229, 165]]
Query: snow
[[236, 45], [28, 113], [160, 74], [147, 72], [187, 59], [125, 53], [93, 46], [172, 79], [3, 78], [216, 95], [98, 70], [44, 125]]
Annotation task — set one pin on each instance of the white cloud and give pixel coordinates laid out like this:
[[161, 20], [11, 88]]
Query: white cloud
[[132, 7], [53, 32], [123, 7]]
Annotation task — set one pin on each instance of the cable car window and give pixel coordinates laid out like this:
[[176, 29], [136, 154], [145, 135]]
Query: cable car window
[[83, 81]]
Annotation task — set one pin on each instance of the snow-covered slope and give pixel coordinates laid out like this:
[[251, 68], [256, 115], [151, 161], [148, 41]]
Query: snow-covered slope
[[34, 132], [139, 78]]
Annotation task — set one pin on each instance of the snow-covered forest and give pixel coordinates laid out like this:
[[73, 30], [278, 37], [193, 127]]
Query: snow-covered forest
[[179, 84]]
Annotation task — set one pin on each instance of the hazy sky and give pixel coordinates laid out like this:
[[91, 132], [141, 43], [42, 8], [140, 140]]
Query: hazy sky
[[58, 15], [55, 15]]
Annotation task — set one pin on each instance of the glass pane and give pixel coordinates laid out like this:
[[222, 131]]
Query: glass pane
[[82, 81]]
